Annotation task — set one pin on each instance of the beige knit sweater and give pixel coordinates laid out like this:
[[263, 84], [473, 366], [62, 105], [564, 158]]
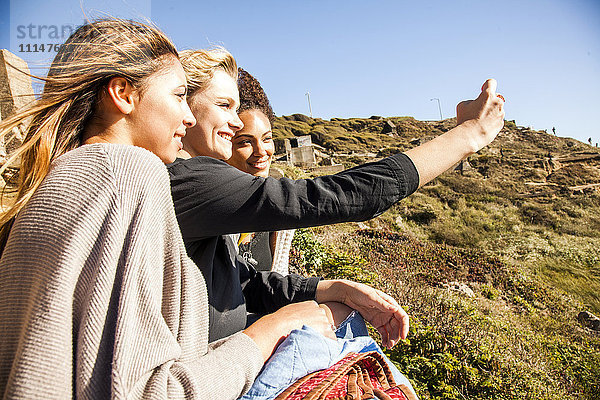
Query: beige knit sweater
[[98, 298]]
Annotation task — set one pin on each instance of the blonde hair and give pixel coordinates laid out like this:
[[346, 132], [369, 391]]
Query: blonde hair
[[95, 53], [200, 66]]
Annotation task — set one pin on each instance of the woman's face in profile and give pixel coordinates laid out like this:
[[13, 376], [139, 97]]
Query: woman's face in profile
[[253, 146], [215, 109], [161, 115]]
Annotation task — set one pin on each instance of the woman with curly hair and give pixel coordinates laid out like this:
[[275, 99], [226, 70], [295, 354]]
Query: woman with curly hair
[[252, 152]]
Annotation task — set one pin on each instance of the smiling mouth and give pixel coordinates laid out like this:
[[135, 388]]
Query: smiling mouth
[[225, 136], [260, 164], [179, 142]]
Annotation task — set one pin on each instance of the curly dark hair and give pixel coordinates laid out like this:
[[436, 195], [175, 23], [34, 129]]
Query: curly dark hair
[[252, 95]]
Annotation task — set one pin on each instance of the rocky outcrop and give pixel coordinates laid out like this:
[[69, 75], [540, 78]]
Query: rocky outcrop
[[389, 128], [589, 320], [461, 288]]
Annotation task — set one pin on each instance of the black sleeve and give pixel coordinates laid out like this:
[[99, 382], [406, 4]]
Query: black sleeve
[[212, 198], [266, 292]]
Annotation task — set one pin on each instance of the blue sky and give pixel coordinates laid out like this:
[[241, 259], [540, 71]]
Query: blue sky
[[389, 58]]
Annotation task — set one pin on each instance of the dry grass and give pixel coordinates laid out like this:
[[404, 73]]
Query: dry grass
[[514, 232]]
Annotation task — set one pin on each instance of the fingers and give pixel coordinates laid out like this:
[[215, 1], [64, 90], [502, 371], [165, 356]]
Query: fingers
[[290, 317], [395, 308], [365, 299], [385, 336], [393, 332], [463, 104], [382, 300], [390, 333], [462, 112], [386, 315], [404, 322], [390, 320], [497, 103], [380, 309], [489, 91], [395, 329], [490, 86]]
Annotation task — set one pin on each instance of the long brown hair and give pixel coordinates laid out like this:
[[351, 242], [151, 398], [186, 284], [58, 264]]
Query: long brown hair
[[95, 53]]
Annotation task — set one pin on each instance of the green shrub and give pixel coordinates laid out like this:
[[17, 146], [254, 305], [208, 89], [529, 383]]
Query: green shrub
[[311, 257], [443, 368], [489, 292]]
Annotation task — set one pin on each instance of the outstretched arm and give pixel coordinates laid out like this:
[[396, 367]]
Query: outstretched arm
[[479, 121], [213, 198]]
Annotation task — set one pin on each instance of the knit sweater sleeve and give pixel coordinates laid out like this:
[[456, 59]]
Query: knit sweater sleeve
[[107, 304], [281, 257]]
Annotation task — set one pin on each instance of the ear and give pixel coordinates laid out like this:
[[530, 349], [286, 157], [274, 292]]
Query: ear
[[121, 94]]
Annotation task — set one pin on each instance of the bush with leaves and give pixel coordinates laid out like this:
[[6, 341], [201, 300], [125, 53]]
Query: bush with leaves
[[312, 258]]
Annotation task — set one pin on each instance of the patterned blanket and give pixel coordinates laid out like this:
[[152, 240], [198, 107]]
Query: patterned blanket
[[358, 376]]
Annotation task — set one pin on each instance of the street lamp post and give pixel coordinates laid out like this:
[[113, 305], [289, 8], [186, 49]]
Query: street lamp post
[[309, 106], [439, 107]]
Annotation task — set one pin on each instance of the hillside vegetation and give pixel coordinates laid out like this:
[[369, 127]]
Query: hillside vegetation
[[493, 263]]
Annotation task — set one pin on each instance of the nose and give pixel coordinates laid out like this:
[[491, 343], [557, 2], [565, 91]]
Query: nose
[[236, 123], [259, 149], [188, 117]]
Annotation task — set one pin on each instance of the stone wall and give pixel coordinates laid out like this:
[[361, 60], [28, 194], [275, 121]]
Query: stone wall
[[16, 91]]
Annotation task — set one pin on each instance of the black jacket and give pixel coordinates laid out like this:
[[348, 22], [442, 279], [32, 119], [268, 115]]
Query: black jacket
[[213, 199]]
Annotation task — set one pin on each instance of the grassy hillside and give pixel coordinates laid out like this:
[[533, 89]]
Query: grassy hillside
[[493, 264]]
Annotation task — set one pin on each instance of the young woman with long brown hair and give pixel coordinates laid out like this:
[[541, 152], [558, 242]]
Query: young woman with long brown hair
[[98, 297]]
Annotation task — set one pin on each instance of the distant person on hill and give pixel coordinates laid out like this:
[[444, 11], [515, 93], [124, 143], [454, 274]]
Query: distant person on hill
[[213, 199], [252, 152]]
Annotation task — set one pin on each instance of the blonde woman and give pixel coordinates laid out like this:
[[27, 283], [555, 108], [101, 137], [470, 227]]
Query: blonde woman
[[213, 199], [98, 297]]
